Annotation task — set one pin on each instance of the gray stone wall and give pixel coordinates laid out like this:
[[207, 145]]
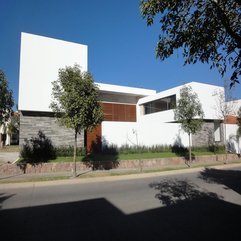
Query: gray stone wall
[[33, 122], [205, 137]]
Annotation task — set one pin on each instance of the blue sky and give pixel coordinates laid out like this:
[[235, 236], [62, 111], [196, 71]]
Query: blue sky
[[121, 46]]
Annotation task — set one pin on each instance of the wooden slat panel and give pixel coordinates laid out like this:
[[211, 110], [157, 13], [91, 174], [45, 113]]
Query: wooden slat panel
[[93, 140], [131, 113], [119, 112]]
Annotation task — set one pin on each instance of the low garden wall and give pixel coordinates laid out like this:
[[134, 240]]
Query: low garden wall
[[15, 169]]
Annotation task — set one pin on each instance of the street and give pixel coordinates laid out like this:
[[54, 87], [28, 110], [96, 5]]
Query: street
[[202, 205]]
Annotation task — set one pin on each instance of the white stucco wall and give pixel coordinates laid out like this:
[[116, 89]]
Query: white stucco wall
[[147, 134], [118, 89], [235, 105], [233, 140], [40, 60], [206, 95], [118, 133]]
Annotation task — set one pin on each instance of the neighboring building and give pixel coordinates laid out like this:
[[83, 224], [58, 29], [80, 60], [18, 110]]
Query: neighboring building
[[232, 137], [9, 131], [132, 116]]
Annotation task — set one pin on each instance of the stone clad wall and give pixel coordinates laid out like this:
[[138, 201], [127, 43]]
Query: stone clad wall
[[33, 122], [205, 137]]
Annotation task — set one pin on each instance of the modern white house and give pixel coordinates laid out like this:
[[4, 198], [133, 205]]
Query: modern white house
[[132, 116]]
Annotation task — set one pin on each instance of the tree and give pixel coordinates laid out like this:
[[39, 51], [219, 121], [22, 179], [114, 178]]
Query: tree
[[13, 125], [206, 30], [224, 108], [75, 102], [189, 113], [6, 101]]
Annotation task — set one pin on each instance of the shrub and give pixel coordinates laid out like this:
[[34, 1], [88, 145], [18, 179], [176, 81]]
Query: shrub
[[127, 149], [38, 149]]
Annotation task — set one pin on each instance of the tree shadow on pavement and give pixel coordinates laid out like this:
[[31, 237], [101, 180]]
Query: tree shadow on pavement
[[230, 178], [172, 192], [196, 216]]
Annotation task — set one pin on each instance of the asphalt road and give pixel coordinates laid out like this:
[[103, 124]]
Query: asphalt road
[[202, 205]]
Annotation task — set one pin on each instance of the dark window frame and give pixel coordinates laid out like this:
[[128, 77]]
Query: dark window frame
[[160, 105]]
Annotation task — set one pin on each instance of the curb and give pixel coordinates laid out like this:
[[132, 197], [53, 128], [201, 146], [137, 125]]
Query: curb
[[111, 178]]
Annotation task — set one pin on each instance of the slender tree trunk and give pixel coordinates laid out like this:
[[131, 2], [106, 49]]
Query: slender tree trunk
[[225, 143], [1, 141], [190, 148], [75, 148]]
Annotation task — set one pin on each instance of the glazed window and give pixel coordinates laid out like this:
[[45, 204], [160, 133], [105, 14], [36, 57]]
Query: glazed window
[[159, 105]]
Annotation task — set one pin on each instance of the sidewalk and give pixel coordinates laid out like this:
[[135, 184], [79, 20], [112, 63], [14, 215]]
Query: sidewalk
[[103, 175], [8, 157]]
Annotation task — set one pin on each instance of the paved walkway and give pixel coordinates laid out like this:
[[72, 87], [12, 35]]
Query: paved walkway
[[8, 157], [44, 179]]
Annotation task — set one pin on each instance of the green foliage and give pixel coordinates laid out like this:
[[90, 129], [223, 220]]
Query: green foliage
[[206, 31], [189, 111], [6, 99], [13, 125], [75, 99], [37, 149], [75, 102], [63, 151], [211, 148], [127, 149]]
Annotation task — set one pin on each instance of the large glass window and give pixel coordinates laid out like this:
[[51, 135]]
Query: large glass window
[[162, 104]]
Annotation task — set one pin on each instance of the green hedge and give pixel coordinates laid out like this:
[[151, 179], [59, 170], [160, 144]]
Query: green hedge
[[69, 151], [126, 149]]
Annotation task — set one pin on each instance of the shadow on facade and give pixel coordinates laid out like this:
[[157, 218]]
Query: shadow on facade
[[180, 150], [102, 157]]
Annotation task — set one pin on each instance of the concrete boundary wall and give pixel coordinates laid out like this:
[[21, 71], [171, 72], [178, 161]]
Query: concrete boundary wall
[[135, 133], [15, 169]]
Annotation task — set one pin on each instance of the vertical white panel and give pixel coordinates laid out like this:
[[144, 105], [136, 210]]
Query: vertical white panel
[[40, 60]]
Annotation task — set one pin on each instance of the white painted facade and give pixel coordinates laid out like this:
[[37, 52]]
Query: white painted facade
[[235, 105], [233, 139], [142, 134], [206, 95], [40, 60], [4, 130], [125, 90], [159, 128]]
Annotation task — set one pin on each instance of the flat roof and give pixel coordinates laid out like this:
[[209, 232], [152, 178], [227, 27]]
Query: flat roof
[[119, 89]]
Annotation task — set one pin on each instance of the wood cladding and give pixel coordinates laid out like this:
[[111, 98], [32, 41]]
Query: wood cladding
[[231, 119], [112, 112], [119, 112], [93, 140]]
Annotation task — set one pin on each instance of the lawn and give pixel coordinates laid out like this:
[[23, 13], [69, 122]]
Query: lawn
[[119, 157]]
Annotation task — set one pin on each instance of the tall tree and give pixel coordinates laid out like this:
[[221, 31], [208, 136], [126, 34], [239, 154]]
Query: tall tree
[[75, 102], [189, 113], [206, 30], [13, 125], [224, 108], [6, 101]]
